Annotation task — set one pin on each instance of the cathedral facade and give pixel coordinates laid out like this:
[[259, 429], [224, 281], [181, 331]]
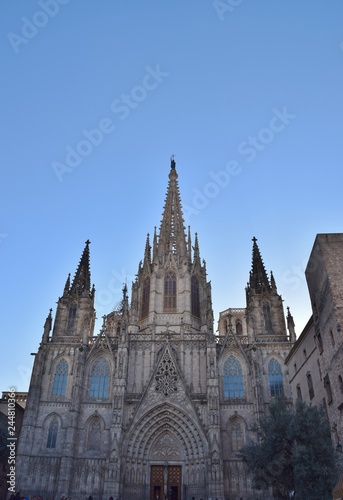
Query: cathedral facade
[[157, 405]]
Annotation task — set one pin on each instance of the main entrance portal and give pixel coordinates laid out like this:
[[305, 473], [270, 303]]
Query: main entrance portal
[[165, 482]]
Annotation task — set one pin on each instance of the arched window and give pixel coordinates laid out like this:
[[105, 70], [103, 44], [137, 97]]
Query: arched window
[[195, 298], [71, 318], [236, 435], [52, 433], [275, 378], [94, 435], [299, 395], [267, 318], [233, 378], [310, 386], [145, 297], [239, 329], [170, 292], [99, 380], [60, 379]]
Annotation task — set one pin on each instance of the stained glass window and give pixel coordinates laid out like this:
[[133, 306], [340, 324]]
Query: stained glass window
[[60, 379], [52, 433], [233, 378], [170, 292], [275, 378], [99, 379]]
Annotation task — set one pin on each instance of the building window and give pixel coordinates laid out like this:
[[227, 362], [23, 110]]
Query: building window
[[236, 435], [195, 297], [239, 329], [71, 318], [233, 378], [170, 292], [299, 395], [327, 387], [310, 386], [275, 378], [145, 297], [332, 338], [267, 318], [60, 379], [319, 369], [320, 343], [99, 380], [52, 433], [340, 383], [94, 435]]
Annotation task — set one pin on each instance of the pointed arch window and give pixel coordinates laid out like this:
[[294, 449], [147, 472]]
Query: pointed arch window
[[239, 329], [60, 379], [267, 318], [94, 435], [145, 297], [99, 380], [195, 297], [170, 292], [275, 378], [299, 394], [52, 433], [236, 434], [71, 318], [233, 378]]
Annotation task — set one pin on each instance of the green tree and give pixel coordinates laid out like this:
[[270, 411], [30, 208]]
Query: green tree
[[293, 452]]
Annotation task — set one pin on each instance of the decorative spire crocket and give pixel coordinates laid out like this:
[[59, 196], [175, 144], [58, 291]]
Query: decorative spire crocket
[[258, 276], [172, 236], [82, 280]]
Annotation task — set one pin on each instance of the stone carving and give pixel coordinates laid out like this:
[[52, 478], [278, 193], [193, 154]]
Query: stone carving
[[166, 448], [166, 375]]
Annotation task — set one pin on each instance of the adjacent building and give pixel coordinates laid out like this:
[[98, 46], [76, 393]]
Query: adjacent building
[[316, 361]]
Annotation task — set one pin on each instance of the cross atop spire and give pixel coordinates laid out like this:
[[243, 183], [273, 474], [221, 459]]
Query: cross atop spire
[[82, 279], [172, 231]]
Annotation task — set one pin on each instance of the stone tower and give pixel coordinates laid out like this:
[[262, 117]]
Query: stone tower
[[156, 404]]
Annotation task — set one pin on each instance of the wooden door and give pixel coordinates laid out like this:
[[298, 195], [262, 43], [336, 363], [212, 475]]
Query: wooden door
[[157, 482], [174, 482]]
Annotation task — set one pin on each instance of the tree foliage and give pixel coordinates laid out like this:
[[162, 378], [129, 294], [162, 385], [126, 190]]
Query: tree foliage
[[293, 453]]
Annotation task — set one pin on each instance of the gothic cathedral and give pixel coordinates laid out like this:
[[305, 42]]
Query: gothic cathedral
[[157, 405]]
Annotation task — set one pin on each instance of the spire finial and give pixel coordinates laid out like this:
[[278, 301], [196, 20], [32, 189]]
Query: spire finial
[[172, 162]]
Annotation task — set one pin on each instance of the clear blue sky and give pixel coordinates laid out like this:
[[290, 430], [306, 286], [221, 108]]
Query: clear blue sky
[[247, 97]]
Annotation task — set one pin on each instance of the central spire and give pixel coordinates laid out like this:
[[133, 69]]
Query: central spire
[[258, 276], [82, 279], [172, 236]]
